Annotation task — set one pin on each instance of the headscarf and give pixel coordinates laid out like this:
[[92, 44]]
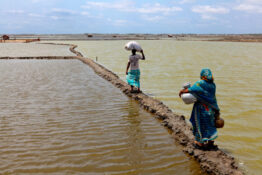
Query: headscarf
[[205, 89], [206, 75]]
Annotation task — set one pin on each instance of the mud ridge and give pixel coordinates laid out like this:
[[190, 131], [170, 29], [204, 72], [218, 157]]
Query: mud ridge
[[215, 162], [72, 48]]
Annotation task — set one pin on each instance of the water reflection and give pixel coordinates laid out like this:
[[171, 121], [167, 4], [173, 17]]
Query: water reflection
[[135, 136]]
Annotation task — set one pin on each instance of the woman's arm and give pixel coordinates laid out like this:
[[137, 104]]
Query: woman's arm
[[183, 91], [143, 56], [127, 67]]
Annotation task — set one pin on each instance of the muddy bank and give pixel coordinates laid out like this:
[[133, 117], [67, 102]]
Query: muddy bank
[[212, 162], [71, 48]]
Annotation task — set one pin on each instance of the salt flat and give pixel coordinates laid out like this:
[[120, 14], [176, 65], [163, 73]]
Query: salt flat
[[33, 49]]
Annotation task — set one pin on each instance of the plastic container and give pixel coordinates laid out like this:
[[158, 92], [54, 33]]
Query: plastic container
[[132, 45], [188, 98]]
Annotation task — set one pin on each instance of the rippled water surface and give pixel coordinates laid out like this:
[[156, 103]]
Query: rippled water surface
[[58, 117], [237, 69]]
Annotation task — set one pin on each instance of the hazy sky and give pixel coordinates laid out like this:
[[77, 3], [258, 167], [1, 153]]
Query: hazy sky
[[130, 16]]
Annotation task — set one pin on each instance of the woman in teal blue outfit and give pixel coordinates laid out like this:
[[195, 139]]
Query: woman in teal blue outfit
[[133, 76], [204, 110]]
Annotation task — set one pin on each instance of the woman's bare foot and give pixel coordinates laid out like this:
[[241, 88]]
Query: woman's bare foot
[[139, 91], [209, 146], [132, 89], [210, 143], [198, 143]]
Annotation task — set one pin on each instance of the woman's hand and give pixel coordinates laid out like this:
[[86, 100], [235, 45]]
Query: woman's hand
[[143, 56], [183, 91], [217, 114]]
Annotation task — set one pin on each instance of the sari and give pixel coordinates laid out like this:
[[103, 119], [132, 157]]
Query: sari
[[133, 78], [203, 113]]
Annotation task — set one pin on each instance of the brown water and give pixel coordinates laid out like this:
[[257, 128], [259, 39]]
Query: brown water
[[237, 69], [59, 117]]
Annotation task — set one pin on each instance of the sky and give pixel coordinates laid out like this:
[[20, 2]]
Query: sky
[[130, 16]]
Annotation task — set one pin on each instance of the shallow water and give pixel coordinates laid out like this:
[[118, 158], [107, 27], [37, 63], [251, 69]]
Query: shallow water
[[59, 117], [33, 49], [237, 69]]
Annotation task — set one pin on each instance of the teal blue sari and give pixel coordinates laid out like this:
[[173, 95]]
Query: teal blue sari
[[133, 78], [203, 113]]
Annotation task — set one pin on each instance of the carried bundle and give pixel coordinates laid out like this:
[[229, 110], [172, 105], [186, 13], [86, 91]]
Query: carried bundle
[[132, 45], [188, 98]]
